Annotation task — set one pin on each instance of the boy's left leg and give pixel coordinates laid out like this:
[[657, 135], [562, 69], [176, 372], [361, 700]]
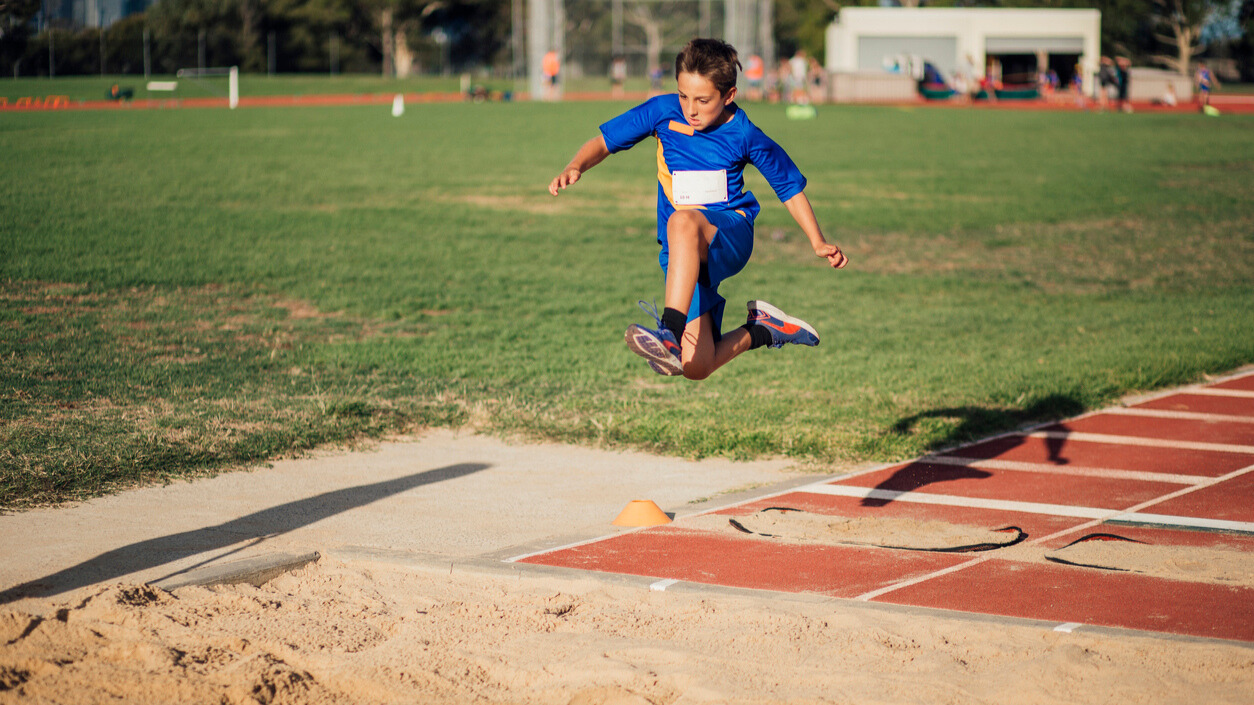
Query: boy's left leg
[[767, 326], [702, 355]]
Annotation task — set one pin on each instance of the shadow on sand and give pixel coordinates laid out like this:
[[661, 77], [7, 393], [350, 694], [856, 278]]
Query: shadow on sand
[[253, 528]]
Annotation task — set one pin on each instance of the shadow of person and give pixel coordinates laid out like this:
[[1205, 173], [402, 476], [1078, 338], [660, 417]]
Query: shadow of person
[[921, 474], [973, 423], [258, 526]]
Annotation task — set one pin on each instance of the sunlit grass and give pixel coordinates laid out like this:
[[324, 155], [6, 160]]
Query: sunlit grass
[[187, 290]]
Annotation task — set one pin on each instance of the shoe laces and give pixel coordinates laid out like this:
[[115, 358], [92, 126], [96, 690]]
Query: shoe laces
[[651, 309]]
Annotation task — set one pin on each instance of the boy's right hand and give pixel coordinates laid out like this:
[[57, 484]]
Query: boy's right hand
[[565, 179]]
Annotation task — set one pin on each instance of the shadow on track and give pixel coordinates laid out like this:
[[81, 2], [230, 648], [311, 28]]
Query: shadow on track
[[974, 423]]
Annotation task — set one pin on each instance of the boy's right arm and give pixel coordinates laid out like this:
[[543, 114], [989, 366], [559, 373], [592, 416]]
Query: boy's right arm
[[593, 152]]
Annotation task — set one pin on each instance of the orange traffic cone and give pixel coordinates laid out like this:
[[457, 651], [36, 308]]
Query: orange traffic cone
[[641, 512]]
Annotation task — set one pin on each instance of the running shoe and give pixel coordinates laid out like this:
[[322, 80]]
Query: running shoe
[[658, 347], [784, 328]]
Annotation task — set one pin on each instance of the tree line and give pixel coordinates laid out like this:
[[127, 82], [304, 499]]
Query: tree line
[[397, 37]]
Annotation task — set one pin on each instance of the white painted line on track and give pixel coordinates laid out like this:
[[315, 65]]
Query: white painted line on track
[[1071, 470], [575, 544], [1244, 527], [1139, 441], [1212, 392], [1058, 510], [948, 500], [1068, 627], [661, 585], [1185, 415], [1133, 510]]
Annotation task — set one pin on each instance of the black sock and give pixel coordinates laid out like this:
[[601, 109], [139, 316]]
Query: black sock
[[674, 321], [759, 335]]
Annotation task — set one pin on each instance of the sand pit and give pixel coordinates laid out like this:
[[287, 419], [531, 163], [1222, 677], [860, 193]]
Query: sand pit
[[376, 633], [1191, 563], [787, 524]]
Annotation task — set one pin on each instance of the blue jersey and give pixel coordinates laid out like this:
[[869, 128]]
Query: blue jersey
[[682, 150]]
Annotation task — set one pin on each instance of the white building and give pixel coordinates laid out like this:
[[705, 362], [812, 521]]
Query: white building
[[1022, 41]]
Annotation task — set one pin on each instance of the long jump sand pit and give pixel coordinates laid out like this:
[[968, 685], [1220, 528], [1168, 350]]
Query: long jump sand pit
[[354, 632]]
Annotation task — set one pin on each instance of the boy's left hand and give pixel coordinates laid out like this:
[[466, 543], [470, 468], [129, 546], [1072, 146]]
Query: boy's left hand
[[832, 254]]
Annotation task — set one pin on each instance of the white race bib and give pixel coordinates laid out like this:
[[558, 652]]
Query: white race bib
[[699, 188]]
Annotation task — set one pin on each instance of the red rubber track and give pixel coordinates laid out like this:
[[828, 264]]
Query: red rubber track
[[1156, 478]]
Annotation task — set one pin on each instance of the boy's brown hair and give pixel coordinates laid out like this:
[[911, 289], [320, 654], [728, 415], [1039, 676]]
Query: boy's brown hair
[[712, 59]]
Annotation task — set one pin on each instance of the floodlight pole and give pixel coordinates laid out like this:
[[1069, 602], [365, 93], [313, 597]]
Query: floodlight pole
[[766, 31], [518, 50], [546, 31], [616, 30], [147, 55]]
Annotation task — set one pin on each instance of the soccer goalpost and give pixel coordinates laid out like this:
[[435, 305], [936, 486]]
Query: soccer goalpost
[[201, 78]]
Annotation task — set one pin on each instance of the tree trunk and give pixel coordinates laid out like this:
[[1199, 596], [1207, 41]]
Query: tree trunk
[[389, 42], [640, 15], [249, 48]]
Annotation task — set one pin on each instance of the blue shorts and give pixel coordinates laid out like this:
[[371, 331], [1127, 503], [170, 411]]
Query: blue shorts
[[728, 254]]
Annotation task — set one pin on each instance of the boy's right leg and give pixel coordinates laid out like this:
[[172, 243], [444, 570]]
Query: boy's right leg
[[688, 238]]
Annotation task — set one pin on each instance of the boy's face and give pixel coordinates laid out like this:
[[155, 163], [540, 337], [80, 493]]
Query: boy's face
[[703, 105]]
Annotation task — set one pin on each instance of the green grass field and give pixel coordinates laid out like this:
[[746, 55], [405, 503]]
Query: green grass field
[[183, 290]]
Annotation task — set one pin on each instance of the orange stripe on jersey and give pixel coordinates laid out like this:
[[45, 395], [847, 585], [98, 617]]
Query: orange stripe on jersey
[[682, 128], [664, 178]]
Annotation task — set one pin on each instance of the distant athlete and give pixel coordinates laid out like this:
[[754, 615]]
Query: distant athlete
[[704, 215], [1205, 82]]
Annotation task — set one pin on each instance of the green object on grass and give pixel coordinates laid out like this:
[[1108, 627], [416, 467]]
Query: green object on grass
[[801, 112]]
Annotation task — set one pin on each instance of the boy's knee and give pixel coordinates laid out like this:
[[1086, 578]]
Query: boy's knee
[[696, 371], [683, 224]]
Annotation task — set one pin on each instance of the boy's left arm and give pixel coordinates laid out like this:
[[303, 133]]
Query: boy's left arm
[[799, 207]]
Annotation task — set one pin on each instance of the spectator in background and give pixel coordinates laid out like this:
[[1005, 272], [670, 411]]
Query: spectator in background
[[781, 82], [552, 67], [798, 67], [755, 74], [1077, 87], [1123, 73], [655, 80], [1204, 81], [1107, 81], [817, 78], [618, 76]]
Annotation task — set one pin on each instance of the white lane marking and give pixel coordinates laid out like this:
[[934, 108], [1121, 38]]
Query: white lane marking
[[1068, 627], [1073, 470], [1212, 392], [575, 544], [1244, 527], [868, 596], [1138, 441], [661, 585], [1060, 510], [1186, 415]]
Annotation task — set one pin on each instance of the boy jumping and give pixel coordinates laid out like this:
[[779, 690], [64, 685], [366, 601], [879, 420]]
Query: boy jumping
[[704, 215]]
